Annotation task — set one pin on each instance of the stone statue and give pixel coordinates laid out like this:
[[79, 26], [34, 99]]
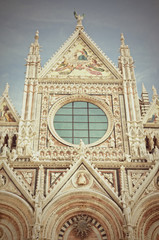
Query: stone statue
[[81, 179], [2, 180], [13, 155], [79, 18], [5, 151], [82, 148]]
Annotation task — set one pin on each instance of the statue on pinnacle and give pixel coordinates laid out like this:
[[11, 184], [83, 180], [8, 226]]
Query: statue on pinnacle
[[79, 19]]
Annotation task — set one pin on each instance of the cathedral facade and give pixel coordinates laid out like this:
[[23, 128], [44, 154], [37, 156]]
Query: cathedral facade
[[82, 161]]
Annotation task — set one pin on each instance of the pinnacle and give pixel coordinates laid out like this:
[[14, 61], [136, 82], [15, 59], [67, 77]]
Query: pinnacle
[[143, 89], [36, 37], [5, 93], [122, 39]]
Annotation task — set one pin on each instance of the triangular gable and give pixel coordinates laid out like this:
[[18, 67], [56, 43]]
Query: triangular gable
[[12, 183], [8, 115], [151, 118], [79, 57], [83, 180], [82, 175], [145, 182]]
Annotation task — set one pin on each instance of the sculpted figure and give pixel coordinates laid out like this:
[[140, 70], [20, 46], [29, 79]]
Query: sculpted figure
[[82, 148], [79, 18], [81, 179]]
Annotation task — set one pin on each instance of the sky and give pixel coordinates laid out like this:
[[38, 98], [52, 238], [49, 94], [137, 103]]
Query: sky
[[104, 21]]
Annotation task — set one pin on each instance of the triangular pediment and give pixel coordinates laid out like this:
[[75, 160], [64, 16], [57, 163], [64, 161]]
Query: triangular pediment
[[151, 118], [8, 115], [79, 57], [144, 181], [82, 176], [11, 182]]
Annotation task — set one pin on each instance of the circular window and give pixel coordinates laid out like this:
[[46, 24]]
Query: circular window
[[80, 120]]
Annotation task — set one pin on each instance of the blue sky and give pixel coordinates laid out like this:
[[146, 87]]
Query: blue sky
[[104, 21]]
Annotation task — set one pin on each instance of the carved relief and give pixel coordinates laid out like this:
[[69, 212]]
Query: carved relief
[[3, 181], [82, 226], [82, 179]]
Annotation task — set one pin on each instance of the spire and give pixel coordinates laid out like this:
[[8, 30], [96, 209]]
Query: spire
[[33, 59], [122, 39], [5, 93], [143, 89], [36, 38], [79, 20], [155, 95], [124, 49]]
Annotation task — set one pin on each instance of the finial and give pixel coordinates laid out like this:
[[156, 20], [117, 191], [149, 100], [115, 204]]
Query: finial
[[36, 36], [5, 93], [79, 20], [122, 39]]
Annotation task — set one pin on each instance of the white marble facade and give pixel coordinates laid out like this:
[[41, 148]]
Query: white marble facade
[[52, 187]]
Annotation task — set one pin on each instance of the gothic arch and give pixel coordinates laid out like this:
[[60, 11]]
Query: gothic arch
[[15, 217], [95, 205], [146, 218]]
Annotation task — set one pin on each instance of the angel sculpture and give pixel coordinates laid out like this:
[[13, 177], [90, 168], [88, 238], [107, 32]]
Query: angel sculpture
[[79, 18]]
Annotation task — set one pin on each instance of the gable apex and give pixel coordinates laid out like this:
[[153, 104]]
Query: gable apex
[[67, 61], [78, 167]]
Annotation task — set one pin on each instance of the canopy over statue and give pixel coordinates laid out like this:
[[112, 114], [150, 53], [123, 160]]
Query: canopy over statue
[[79, 19]]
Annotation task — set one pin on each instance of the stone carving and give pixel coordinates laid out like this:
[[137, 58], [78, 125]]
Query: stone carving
[[5, 151], [81, 180], [36, 231], [35, 156], [156, 153], [13, 155], [82, 227], [110, 177], [79, 18], [2, 180], [82, 148], [127, 157], [54, 177], [28, 177], [51, 143]]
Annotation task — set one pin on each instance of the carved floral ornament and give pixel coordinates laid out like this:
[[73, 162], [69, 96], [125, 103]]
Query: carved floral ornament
[[85, 98]]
